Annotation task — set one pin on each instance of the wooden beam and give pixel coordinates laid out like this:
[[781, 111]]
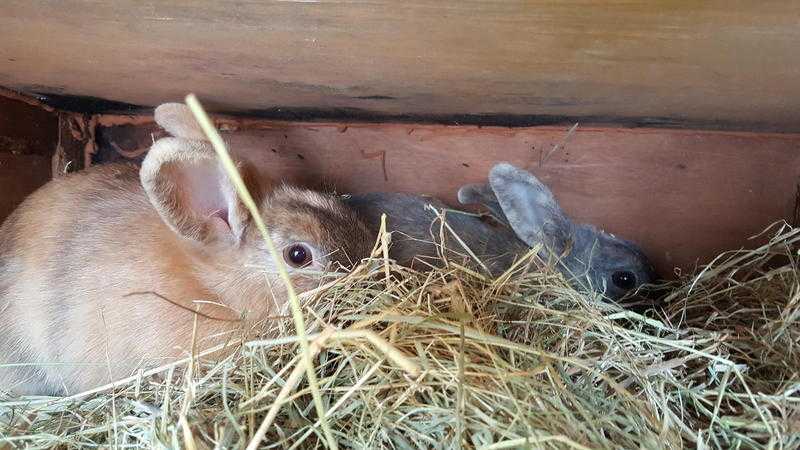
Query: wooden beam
[[715, 64]]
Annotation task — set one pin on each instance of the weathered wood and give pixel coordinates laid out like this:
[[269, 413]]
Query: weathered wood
[[26, 129], [684, 195], [20, 175], [707, 63], [28, 137], [76, 143]]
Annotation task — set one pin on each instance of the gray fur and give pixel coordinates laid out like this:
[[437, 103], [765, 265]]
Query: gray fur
[[530, 207], [587, 257], [416, 231], [484, 195]]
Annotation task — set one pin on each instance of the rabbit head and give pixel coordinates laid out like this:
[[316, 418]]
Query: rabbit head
[[193, 195], [588, 257]]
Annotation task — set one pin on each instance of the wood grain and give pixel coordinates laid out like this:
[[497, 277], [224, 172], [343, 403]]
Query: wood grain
[[710, 62], [684, 195]]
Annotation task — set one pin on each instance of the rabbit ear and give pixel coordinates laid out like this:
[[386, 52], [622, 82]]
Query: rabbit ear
[[481, 194], [179, 121], [530, 207], [193, 195]]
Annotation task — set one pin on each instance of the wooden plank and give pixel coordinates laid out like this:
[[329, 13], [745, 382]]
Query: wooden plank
[[20, 175], [709, 63], [684, 195], [76, 142], [26, 129], [28, 137]]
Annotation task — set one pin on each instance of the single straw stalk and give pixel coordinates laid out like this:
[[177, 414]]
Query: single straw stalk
[[297, 311]]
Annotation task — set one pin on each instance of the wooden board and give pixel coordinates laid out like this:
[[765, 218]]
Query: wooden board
[[684, 195], [20, 175], [715, 64], [28, 138]]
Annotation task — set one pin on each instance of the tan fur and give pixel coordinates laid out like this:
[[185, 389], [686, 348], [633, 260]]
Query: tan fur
[[100, 273]]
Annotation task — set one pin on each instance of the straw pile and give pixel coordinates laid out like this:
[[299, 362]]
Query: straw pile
[[523, 361]]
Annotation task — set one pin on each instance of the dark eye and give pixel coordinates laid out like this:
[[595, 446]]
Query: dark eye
[[624, 280], [297, 255]]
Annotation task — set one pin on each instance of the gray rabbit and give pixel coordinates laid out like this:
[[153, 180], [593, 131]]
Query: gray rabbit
[[527, 214]]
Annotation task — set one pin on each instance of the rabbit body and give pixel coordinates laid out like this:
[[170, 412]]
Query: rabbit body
[[101, 272], [415, 224]]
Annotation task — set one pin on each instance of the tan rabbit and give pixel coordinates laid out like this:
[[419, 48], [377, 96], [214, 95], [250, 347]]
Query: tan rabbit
[[101, 271]]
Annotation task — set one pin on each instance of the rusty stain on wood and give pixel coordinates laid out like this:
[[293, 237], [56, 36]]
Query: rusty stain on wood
[[74, 141], [27, 99], [382, 156]]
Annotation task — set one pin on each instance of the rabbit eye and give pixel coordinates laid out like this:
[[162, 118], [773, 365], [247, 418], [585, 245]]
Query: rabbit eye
[[624, 279], [297, 255]]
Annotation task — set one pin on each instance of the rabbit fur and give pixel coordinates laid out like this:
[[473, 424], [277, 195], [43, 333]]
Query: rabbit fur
[[527, 214], [104, 272]]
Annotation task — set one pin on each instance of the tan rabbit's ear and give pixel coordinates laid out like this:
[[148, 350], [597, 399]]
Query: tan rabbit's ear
[[194, 196], [179, 121]]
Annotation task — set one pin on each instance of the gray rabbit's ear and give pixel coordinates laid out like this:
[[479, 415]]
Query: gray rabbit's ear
[[471, 194], [530, 207]]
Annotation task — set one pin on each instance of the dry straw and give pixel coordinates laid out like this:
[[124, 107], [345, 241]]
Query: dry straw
[[450, 359]]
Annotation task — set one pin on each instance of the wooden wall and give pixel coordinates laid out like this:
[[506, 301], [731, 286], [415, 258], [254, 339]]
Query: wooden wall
[[711, 64], [28, 138], [684, 195]]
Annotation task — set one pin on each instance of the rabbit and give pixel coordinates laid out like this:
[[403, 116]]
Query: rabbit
[[528, 214], [103, 270]]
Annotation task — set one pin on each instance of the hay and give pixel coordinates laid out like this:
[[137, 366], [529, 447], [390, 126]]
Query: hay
[[522, 361]]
